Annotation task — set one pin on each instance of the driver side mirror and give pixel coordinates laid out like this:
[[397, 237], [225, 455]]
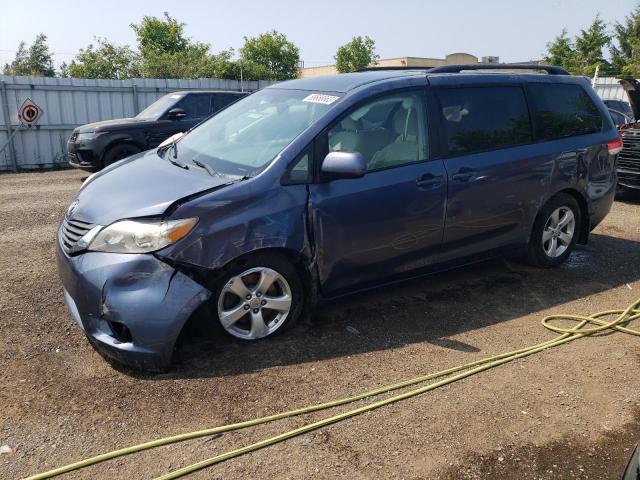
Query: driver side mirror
[[176, 114], [337, 165]]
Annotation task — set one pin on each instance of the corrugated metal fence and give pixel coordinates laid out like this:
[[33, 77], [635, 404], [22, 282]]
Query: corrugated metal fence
[[609, 89], [69, 102]]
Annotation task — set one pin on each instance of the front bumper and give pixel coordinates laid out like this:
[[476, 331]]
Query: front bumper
[[82, 156], [131, 307]]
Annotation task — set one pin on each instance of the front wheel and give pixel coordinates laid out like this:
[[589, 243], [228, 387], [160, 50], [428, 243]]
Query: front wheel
[[118, 152], [555, 232], [258, 298]]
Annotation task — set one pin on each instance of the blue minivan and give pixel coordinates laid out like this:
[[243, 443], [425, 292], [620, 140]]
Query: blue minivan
[[319, 187]]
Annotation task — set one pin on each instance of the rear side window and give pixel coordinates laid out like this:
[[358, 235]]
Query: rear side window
[[478, 119], [195, 105], [564, 111]]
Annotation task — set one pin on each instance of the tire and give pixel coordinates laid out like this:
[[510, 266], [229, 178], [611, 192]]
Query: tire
[[550, 244], [240, 306], [118, 152]]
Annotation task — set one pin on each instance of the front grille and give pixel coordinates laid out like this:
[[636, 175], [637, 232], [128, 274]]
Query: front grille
[[629, 157], [72, 231]]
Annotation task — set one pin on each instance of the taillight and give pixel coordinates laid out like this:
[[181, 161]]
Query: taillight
[[615, 146]]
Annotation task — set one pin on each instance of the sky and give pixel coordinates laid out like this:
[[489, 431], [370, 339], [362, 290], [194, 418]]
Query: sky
[[514, 30]]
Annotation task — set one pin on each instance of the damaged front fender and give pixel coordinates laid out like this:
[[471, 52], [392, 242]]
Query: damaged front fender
[[237, 221]]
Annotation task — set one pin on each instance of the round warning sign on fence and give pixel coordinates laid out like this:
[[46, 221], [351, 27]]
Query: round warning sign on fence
[[29, 113]]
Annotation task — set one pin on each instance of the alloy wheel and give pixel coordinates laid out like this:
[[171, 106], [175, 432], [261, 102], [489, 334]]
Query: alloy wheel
[[558, 232], [254, 303]]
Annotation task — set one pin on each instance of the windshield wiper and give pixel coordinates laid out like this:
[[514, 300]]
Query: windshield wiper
[[210, 170], [178, 163]]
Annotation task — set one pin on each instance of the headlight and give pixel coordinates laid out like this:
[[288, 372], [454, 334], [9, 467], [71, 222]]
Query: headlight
[[85, 136], [140, 236]]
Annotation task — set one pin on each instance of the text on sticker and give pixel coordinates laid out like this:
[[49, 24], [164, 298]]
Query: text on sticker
[[320, 98]]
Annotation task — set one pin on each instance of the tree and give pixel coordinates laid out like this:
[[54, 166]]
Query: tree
[[271, 56], [161, 36], [625, 56], [584, 53], [356, 55], [590, 45], [166, 52], [561, 52], [104, 60], [36, 60]]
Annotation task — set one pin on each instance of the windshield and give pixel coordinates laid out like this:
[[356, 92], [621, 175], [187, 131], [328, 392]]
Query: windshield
[[248, 135], [160, 106]]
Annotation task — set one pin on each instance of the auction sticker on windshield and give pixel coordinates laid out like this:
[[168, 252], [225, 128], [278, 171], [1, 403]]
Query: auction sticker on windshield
[[320, 98]]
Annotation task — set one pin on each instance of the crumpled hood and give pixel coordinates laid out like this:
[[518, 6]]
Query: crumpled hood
[[112, 125], [139, 186], [632, 87]]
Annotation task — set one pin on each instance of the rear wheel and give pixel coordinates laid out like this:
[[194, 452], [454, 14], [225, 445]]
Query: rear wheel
[[258, 298], [118, 152], [555, 232]]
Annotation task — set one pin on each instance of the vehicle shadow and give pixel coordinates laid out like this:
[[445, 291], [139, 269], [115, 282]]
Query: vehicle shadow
[[628, 196], [430, 309]]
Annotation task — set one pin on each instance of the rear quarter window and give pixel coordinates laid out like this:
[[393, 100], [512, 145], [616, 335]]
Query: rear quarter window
[[477, 119], [195, 105], [564, 110]]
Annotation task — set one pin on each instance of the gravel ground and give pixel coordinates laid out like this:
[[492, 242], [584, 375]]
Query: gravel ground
[[571, 412]]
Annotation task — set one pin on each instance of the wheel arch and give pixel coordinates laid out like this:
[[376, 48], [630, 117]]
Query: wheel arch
[[583, 234], [119, 141], [584, 213], [210, 277]]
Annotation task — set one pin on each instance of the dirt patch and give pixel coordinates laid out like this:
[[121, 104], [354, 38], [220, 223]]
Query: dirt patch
[[569, 457], [60, 401]]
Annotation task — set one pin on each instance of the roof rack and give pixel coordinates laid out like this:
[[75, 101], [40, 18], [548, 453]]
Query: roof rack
[[550, 69], [373, 69]]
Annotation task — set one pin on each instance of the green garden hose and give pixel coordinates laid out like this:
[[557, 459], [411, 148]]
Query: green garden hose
[[632, 312]]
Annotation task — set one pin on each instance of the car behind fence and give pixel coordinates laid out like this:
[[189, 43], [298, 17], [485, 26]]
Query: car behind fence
[[69, 102]]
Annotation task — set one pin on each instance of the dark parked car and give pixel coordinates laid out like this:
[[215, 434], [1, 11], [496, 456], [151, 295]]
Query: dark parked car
[[629, 159], [97, 145], [316, 188], [620, 120], [620, 106]]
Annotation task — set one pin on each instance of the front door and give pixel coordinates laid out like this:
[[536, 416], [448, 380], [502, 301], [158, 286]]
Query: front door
[[390, 222]]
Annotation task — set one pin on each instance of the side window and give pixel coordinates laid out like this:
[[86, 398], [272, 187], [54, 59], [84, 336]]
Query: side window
[[300, 171], [389, 131], [221, 100], [195, 105], [478, 119], [564, 110]]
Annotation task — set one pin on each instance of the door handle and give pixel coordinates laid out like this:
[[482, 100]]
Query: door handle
[[465, 174], [428, 180]]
